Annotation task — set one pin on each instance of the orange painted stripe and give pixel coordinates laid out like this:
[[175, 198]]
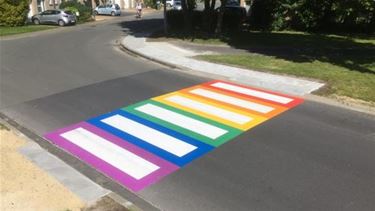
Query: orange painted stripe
[[255, 119], [295, 100], [277, 109]]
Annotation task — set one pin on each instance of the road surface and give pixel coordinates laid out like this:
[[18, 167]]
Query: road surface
[[312, 157]]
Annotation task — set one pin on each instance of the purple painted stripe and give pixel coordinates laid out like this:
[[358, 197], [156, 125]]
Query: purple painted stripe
[[109, 170]]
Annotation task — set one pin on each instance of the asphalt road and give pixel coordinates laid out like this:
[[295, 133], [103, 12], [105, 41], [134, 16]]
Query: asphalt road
[[313, 157]]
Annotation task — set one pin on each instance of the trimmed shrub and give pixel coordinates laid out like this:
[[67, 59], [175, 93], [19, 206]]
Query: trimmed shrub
[[261, 15], [232, 19], [175, 19], [85, 11], [13, 12]]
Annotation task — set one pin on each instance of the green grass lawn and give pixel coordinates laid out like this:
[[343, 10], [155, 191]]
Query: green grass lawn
[[345, 63], [341, 81], [6, 30]]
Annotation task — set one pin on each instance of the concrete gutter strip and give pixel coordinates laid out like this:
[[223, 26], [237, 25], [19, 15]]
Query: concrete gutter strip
[[174, 56], [79, 184]]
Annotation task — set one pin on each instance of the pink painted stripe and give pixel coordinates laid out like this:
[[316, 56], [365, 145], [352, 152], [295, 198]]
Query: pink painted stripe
[[109, 170]]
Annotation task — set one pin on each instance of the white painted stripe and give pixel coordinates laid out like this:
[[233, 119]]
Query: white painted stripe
[[118, 157], [150, 135], [252, 92], [186, 122], [232, 100], [209, 109]]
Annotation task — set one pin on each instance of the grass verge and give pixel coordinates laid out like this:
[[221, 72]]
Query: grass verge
[[340, 80], [345, 62], [6, 30]]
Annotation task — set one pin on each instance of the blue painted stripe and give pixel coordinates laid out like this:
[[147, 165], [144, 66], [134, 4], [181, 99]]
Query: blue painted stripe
[[201, 149]]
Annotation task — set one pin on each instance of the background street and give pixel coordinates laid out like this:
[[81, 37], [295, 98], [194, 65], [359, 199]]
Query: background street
[[312, 157]]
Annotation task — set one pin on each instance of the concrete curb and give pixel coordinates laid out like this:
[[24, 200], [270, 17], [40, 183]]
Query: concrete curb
[[175, 57], [92, 189]]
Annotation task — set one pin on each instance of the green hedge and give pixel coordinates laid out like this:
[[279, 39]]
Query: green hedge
[[13, 12], [85, 12], [231, 20]]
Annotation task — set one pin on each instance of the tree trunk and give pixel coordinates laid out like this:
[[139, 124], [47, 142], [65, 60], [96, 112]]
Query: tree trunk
[[186, 12], [165, 17], [206, 16], [220, 16], [211, 14]]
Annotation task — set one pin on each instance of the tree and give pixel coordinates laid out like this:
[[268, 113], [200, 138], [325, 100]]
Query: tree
[[208, 16], [220, 16], [13, 12], [187, 8], [314, 15]]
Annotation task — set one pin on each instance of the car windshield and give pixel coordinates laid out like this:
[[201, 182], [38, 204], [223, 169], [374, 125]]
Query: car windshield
[[68, 12], [232, 3]]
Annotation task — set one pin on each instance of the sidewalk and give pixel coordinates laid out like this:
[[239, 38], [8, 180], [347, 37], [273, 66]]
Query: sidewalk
[[176, 56], [24, 186], [33, 179]]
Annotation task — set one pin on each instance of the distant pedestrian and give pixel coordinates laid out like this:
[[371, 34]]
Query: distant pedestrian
[[139, 9]]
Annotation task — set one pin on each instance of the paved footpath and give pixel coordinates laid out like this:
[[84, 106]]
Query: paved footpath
[[173, 55]]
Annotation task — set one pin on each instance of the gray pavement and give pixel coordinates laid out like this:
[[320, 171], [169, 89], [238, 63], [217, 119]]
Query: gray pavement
[[313, 157], [79, 184], [175, 55]]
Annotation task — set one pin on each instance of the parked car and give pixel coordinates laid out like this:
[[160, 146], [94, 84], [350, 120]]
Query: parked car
[[177, 5], [109, 9], [170, 3], [234, 15], [60, 17]]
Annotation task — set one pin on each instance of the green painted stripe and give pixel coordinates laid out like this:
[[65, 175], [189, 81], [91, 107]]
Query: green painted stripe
[[232, 132]]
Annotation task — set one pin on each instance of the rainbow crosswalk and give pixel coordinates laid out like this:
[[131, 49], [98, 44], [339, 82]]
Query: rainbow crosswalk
[[139, 144]]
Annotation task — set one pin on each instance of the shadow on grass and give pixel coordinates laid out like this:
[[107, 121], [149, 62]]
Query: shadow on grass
[[342, 51], [297, 47]]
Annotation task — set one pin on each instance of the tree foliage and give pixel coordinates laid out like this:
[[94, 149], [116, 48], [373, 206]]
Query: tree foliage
[[13, 12], [314, 15], [85, 11]]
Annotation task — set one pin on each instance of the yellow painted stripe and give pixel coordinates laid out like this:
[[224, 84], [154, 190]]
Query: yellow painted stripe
[[253, 119]]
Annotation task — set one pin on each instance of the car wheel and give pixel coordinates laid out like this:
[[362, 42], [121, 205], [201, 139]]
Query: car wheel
[[61, 23], [96, 13], [36, 21], [113, 13]]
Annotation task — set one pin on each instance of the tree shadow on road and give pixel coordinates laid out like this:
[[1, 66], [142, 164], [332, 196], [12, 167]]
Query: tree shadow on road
[[142, 27]]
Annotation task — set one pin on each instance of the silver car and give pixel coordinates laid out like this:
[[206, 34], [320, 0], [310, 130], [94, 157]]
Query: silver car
[[109, 9], [59, 17]]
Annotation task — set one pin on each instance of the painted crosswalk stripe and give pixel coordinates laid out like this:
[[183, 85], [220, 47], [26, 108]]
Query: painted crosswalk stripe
[[184, 121], [168, 144], [232, 100], [197, 127], [268, 96], [128, 164], [246, 104], [118, 157], [152, 136], [217, 112], [222, 113], [252, 92]]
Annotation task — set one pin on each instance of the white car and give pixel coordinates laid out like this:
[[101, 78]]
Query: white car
[[177, 5], [170, 3]]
